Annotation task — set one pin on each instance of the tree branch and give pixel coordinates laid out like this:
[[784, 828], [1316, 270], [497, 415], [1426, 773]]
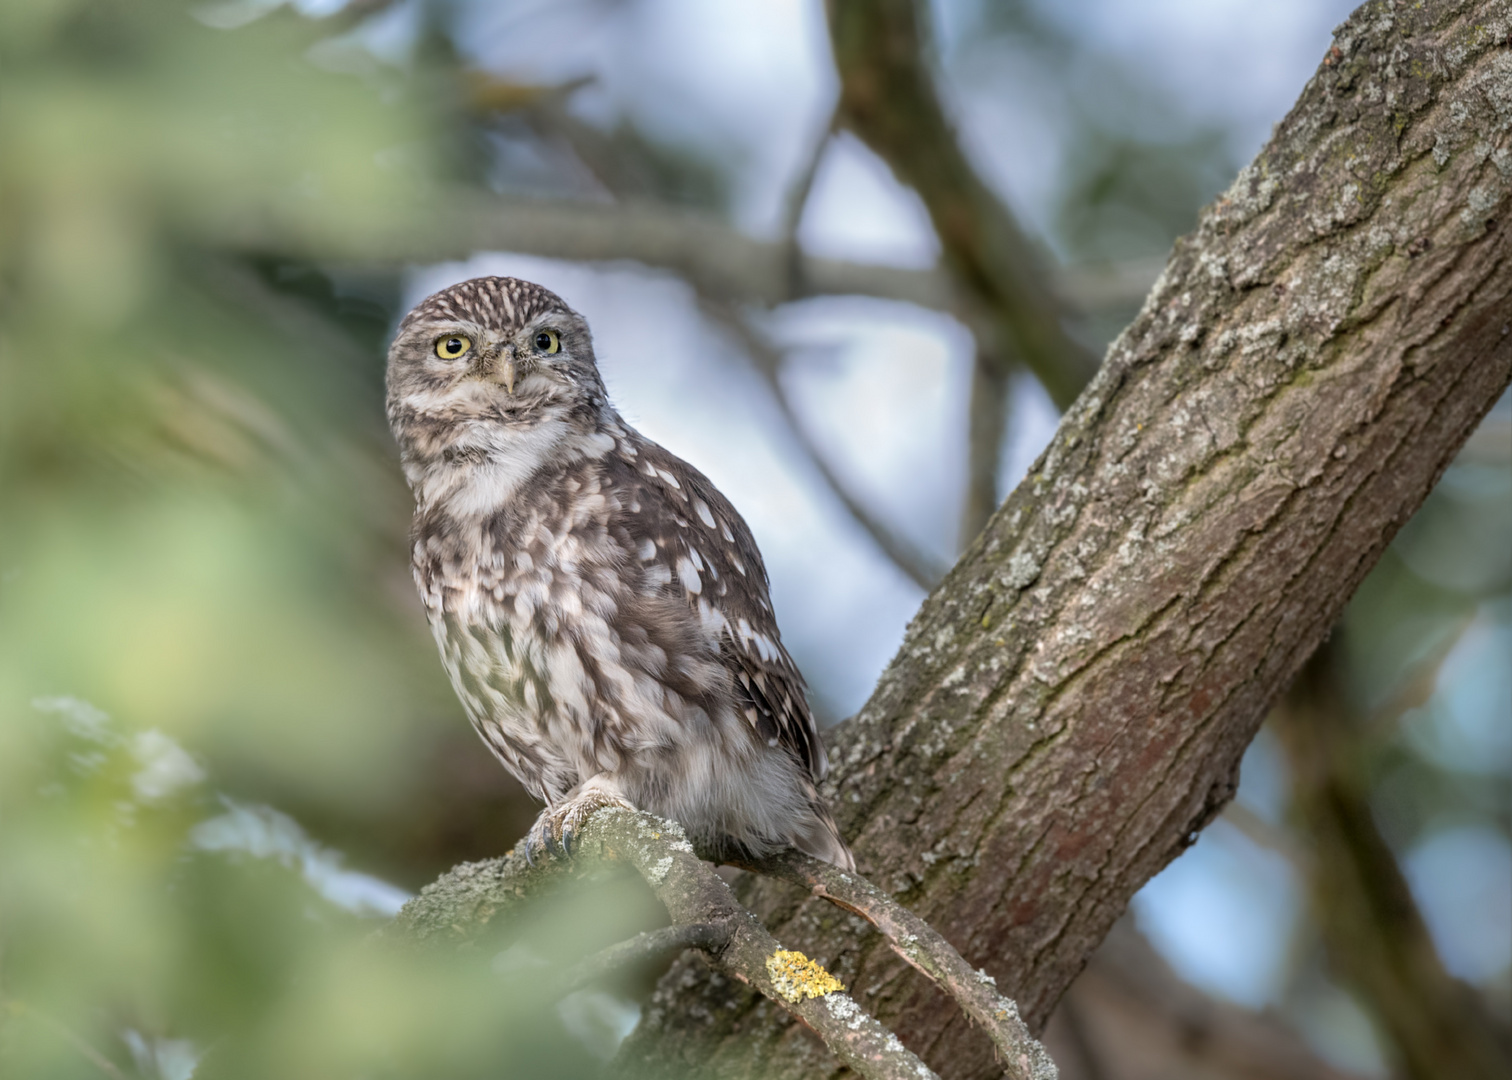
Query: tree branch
[[795, 203], [922, 568], [709, 252], [704, 912], [888, 98], [924, 949], [1129, 1015], [986, 425], [1375, 937]]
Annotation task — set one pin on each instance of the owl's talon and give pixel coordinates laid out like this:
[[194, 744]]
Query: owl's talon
[[539, 839], [558, 830]]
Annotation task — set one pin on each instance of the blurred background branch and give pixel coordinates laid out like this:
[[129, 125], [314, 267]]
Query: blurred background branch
[[1376, 939], [888, 97]]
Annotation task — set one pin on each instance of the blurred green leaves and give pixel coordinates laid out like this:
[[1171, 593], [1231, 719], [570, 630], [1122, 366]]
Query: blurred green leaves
[[143, 914], [202, 527], [202, 535], [126, 122]]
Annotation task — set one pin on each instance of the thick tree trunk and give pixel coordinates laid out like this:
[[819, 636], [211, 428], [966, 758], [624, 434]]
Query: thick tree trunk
[[1070, 705]]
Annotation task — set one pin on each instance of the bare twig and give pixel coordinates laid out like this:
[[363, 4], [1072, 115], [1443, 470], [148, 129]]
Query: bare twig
[[987, 421], [465, 901], [924, 570], [797, 198], [922, 946], [1259, 831]]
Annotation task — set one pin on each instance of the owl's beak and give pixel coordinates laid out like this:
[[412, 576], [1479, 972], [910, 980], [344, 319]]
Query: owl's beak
[[499, 368]]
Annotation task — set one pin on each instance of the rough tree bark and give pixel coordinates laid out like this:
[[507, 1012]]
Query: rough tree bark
[[1069, 707]]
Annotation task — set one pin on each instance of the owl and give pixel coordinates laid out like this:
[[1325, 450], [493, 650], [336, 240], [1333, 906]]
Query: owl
[[601, 609]]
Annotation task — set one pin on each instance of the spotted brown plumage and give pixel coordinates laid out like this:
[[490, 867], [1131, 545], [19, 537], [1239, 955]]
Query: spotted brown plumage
[[602, 610]]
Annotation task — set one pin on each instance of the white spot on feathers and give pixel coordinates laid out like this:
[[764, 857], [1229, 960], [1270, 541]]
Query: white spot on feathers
[[597, 445], [704, 515], [688, 575]]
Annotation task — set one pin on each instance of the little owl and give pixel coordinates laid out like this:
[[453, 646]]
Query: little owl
[[601, 608]]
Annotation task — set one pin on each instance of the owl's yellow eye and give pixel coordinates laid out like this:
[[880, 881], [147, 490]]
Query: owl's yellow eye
[[452, 346], [547, 341]]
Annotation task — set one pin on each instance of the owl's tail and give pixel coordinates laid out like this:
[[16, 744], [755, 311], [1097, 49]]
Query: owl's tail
[[820, 837]]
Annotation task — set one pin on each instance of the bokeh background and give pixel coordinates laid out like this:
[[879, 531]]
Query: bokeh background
[[227, 749]]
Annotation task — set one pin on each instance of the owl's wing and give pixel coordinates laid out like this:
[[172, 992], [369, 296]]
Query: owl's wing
[[697, 545]]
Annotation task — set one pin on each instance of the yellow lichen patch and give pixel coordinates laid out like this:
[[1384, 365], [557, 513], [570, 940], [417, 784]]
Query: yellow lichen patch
[[797, 977]]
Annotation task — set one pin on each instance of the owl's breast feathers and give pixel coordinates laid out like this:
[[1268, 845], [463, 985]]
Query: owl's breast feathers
[[613, 592]]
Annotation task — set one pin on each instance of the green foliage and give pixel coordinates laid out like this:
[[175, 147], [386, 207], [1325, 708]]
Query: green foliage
[[139, 907], [203, 535]]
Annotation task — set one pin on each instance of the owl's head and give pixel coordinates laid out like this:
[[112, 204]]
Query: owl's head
[[481, 360]]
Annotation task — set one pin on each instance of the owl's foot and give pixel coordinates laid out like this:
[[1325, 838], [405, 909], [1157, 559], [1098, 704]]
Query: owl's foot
[[556, 829]]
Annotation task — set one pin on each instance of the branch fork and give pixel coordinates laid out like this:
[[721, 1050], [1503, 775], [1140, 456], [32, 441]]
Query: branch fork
[[706, 916]]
